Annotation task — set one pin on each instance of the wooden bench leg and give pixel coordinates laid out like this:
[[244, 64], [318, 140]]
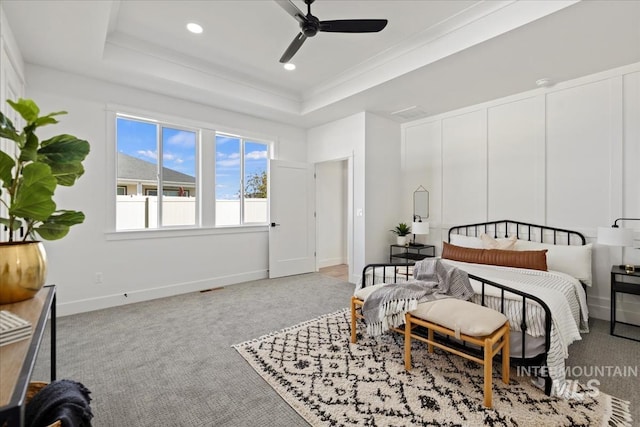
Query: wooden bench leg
[[488, 353], [407, 341], [353, 319], [505, 355]]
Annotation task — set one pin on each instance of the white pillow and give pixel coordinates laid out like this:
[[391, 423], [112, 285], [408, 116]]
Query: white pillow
[[572, 260], [466, 241], [504, 244]]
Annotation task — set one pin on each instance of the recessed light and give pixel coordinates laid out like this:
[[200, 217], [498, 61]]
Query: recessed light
[[194, 28], [289, 66]]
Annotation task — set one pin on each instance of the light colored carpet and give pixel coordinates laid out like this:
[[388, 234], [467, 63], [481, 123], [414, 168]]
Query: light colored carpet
[[331, 381], [170, 362]]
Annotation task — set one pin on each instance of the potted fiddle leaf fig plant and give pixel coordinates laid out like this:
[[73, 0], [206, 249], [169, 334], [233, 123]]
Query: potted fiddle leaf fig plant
[[30, 171], [402, 230]]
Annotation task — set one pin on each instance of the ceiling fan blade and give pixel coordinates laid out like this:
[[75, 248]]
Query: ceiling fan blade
[[353, 25], [292, 10], [293, 48]]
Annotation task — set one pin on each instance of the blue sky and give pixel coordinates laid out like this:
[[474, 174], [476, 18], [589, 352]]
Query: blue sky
[[228, 164], [138, 139]]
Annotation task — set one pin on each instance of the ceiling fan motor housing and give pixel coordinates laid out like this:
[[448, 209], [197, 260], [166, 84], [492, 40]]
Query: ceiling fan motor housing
[[310, 26]]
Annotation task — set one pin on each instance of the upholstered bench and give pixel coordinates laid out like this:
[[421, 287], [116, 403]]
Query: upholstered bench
[[466, 321], [357, 301]]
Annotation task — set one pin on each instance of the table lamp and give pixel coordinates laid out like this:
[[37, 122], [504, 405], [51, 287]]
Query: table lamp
[[418, 227], [618, 236]]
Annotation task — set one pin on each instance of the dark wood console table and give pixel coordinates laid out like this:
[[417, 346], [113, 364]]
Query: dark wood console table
[[18, 359]]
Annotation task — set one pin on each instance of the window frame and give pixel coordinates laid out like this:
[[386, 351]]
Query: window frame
[[205, 174], [243, 140], [161, 125]]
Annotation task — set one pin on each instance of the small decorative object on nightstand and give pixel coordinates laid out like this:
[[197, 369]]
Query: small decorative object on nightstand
[[623, 282]]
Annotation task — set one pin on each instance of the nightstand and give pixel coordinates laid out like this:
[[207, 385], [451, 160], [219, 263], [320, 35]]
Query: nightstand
[[625, 283], [411, 254]]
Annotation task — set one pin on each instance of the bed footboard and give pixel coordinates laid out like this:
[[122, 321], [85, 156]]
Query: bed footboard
[[373, 274]]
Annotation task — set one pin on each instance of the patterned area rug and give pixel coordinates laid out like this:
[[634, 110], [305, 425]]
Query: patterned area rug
[[330, 381]]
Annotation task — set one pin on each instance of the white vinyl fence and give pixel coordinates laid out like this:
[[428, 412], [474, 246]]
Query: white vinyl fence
[[139, 212]]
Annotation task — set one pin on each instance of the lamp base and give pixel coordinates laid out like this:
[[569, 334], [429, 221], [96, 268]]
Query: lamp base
[[416, 245], [630, 268]]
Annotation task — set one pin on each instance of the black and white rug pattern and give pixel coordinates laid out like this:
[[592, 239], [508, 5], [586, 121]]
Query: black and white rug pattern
[[330, 381]]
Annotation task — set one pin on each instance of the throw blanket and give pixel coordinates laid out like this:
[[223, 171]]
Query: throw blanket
[[386, 306], [64, 400]]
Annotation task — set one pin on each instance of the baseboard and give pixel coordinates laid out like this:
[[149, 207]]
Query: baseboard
[[330, 262], [627, 311], [107, 301]]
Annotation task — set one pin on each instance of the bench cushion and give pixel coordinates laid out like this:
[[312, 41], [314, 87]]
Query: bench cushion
[[363, 293], [461, 316]]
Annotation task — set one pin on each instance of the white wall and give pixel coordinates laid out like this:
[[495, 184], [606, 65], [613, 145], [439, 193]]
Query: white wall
[[338, 140], [565, 156], [331, 212], [372, 144], [155, 264], [383, 195]]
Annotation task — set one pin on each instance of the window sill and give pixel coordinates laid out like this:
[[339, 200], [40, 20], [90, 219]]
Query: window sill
[[184, 232]]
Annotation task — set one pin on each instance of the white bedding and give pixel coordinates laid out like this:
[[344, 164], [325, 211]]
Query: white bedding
[[562, 293]]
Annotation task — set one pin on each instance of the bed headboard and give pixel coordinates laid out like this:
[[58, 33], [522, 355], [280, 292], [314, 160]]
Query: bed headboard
[[522, 230]]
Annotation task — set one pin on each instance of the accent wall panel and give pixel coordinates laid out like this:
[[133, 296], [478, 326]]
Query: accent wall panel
[[464, 168], [515, 158], [583, 139], [422, 166], [631, 150]]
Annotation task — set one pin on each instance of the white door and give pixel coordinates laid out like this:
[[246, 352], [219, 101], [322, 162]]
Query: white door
[[291, 213]]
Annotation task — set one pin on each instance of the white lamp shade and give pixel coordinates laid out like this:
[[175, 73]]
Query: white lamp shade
[[615, 236], [420, 228]]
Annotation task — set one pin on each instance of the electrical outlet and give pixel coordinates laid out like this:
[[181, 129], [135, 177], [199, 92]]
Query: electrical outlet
[[98, 278]]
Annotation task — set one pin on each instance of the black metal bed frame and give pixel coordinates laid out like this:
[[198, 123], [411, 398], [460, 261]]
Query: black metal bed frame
[[520, 229], [523, 231]]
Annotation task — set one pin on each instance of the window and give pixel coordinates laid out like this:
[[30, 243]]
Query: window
[[158, 184], [241, 180], [155, 158]]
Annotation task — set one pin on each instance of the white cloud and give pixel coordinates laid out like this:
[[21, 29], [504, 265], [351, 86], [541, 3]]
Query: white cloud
[[183, 139], [148, 154], [255, 155], [175, 158]]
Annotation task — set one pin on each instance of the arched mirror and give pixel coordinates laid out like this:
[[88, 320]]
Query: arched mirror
[[420, 204]]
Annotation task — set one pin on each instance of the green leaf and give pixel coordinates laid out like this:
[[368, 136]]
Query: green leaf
[[58, 224], [63, 149], [26, 108], [48, 119], [29, 152], [67, 173], [6, 166], [7, 130], [34, 198]]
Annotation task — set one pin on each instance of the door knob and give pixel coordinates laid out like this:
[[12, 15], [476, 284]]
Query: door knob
[[273, 224]]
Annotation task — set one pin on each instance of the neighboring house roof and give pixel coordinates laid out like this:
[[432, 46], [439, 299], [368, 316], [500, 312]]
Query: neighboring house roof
[[134, 169]]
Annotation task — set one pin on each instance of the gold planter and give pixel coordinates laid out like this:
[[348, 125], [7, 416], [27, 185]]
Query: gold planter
[[23, 270]]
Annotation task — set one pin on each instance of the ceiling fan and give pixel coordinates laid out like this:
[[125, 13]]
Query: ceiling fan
[[310, 25]]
